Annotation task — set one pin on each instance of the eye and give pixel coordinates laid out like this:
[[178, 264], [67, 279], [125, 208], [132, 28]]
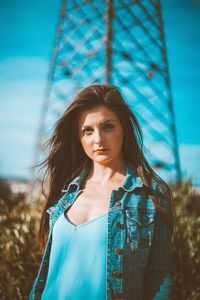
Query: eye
[[86, 131], [108, 126]]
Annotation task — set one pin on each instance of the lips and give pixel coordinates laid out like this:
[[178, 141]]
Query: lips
[[100, 150]]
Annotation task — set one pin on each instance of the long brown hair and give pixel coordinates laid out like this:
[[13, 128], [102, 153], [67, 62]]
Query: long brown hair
[[67, 158]]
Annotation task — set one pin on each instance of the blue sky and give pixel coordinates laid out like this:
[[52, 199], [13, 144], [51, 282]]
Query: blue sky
[[27, 30]]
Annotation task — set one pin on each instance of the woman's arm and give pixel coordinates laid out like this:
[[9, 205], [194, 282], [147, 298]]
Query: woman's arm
[[158, 279]]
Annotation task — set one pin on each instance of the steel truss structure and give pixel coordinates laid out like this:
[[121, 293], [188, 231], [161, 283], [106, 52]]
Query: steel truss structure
[[120, 42]]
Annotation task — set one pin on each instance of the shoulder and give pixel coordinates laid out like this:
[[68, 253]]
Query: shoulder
[[162, 195]]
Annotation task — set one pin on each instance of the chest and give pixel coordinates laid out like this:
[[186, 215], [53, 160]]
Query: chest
[[88, 205]]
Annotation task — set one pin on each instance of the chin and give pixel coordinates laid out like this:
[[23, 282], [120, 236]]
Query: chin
[[103, 160]]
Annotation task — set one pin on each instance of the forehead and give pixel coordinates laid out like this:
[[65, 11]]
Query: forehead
[[97, 114]]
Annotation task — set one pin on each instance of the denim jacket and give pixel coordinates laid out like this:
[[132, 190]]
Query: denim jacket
[[138, 262]]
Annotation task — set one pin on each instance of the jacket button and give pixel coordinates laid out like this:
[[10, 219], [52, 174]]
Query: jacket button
[[117, 274], [118, 250], [118, 203], [118, 225], [118, 196], [117, 294]]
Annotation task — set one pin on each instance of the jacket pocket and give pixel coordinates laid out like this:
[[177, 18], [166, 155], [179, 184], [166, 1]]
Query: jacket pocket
[[140, 227]]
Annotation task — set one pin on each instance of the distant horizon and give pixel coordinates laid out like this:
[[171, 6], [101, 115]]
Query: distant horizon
[[26, 179]]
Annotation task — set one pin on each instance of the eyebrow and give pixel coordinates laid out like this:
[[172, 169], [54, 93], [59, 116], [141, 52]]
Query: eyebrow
[[101, 123]]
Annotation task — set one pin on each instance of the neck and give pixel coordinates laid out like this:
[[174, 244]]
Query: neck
[[105, 173]]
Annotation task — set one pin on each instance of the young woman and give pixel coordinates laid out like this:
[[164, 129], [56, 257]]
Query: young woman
[[108, 218]]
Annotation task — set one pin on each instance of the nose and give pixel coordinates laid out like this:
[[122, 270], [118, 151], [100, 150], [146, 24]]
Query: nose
[[97, 137]]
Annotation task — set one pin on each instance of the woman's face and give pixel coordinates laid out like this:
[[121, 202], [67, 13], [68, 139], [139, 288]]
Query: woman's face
[[100, 129]]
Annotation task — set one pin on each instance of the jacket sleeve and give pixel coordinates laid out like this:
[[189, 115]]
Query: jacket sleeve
[[158, 278]]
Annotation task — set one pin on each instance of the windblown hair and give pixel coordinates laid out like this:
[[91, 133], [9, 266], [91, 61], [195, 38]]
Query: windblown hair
[[67, 158]]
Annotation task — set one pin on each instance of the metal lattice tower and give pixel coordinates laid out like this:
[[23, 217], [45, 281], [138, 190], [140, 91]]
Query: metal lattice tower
[[122, 43]]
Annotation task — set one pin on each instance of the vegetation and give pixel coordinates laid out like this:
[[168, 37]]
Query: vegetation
[[19, 251], [20, 255], [187, 241]]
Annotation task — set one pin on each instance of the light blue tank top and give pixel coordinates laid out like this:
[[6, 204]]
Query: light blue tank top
[[77, 265]]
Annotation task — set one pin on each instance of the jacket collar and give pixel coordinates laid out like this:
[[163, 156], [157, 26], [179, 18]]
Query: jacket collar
[[131, 181]]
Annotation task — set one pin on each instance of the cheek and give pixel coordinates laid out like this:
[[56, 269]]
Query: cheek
[[116, 137], [86, 143]]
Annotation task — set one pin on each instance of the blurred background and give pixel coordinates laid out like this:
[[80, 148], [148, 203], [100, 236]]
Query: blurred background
[[28, 31]]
